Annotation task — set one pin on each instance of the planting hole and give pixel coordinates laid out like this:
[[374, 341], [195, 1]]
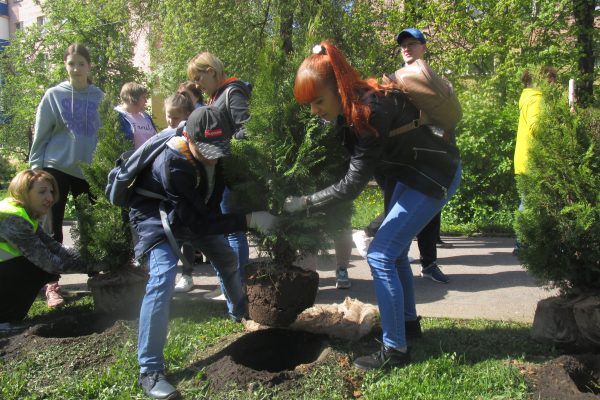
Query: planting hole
[[276, 350], [72, 326]]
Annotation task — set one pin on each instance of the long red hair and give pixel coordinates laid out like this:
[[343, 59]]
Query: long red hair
[[329, 67]]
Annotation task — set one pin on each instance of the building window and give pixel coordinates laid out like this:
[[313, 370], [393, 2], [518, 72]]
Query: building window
[[18, 25], [41, 20]]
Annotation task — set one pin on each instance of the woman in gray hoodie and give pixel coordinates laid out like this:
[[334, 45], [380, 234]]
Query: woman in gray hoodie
[[66, 133]]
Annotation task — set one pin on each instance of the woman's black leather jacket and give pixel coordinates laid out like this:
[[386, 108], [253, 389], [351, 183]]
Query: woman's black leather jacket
[[419, 158]]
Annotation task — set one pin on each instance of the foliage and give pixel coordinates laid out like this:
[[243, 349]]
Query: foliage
[[102, 235], [7, 171], [481, 46], [34, 59], [485, 137], [560, 226], [366, 207], [286, 153]]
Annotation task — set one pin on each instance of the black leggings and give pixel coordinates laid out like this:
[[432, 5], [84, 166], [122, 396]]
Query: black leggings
[[66, 183], [20, 282]]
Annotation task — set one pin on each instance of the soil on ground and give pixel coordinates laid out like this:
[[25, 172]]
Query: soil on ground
[[268, 357], [74, 342], [573, 377]]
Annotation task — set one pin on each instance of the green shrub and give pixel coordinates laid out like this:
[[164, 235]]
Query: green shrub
[[7, 171], [487, 197], [560, 227], [101, 235]]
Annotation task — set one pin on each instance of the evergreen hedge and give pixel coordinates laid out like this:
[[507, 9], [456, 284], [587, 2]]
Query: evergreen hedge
[[560, 226]]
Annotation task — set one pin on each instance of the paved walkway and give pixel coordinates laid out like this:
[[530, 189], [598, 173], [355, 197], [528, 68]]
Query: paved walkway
[[486, 281]]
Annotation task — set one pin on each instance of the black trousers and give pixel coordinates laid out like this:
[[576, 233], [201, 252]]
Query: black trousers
[[20, 282], [427, 240], [66, 183]]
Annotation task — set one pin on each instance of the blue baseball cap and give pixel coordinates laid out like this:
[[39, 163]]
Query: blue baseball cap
[[411, 32]]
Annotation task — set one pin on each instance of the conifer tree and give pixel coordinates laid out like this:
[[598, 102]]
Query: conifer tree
[[102, 235], [287, 152], [560, 226]]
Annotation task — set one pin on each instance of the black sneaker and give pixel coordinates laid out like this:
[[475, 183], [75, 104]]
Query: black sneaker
[[433, 272], [155, 385], [385, 358], [412, 329]]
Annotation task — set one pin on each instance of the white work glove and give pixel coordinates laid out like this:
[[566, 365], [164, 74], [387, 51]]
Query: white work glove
[[262, 221], [293, 204]]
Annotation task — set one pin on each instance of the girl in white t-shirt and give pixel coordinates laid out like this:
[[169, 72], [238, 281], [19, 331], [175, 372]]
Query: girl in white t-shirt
[[137, 125]]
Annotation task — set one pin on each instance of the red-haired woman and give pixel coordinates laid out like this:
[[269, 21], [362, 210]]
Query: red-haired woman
[[420, 172]]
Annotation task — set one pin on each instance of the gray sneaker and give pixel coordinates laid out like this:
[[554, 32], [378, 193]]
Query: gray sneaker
[[433, 272], [155, 385], [341, 279]]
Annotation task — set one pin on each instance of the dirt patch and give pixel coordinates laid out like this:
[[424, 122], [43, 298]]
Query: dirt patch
[[574, 377], [276, 295], [268, 357], [73, 343]]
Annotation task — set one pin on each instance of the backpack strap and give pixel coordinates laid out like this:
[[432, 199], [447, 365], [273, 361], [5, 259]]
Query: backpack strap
[[164, 220]]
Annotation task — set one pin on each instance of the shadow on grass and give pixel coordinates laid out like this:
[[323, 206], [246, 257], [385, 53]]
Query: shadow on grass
[[197, 309], [472, 341], [477, 345]]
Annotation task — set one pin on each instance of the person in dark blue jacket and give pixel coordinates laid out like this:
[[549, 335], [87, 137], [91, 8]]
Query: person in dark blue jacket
[[420, 172], [188, 173]]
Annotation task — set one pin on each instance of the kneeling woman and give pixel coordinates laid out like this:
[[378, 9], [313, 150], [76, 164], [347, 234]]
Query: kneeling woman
[[28, 257], [420, 171]]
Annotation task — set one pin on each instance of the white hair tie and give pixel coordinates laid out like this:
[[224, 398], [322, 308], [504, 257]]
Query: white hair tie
[[318, 49]]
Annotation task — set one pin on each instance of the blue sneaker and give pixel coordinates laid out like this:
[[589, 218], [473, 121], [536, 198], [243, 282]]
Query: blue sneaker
[[433, 272]]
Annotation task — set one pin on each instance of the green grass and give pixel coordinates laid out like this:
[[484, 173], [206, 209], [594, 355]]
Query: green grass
[[456, 359], [367, 206]]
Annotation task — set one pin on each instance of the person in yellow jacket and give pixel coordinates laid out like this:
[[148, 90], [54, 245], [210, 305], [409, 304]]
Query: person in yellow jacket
[[29, 258], [529, 110]]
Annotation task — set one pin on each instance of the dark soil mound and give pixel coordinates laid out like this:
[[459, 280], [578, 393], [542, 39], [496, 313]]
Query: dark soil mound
[[82, 341], [573, 377], [72, 326], [268, 357], [276, 295]]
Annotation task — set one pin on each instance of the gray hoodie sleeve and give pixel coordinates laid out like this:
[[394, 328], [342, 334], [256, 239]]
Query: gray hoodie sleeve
[[45, 122], [43, 251]]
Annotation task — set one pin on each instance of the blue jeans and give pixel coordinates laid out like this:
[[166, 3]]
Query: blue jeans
[[238, 240], [154, 313], [408, 211]]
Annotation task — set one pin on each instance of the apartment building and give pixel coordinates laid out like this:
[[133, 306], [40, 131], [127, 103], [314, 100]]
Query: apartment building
[[4, 24], [21, 14]]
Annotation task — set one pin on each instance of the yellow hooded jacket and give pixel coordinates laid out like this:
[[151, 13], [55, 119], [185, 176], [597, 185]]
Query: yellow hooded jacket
[[529, 107]]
